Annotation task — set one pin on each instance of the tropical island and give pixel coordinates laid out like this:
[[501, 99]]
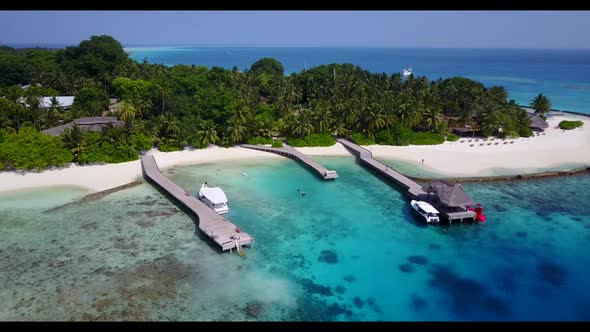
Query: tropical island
[[91, 104]]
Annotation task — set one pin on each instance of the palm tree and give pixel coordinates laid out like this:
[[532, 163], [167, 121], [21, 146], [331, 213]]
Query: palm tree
[[351, 112], [298, 125], [209, 135], [168, 125], [114, 135], [73, 139], [142, 105], [127, 111], [33, 102], [15, 105], [236, 132], [242, 115], [341, 130], [374, 121], [541, 104], [163, 91], [323, 118], [53, 113], [432, 116]]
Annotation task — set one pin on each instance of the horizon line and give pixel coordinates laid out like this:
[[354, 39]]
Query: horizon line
[[139, 45]]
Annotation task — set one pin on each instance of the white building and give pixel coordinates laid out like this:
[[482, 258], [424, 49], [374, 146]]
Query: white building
[[64, 102]]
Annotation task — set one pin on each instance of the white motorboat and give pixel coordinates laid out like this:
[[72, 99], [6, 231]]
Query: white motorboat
[[427, 211], [407, 72], [214, 197]]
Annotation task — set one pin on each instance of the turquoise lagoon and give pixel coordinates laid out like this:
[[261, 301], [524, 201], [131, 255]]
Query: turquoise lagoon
[[348, 250]]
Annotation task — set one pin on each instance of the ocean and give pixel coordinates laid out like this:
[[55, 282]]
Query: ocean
[[561, 75], [349, 250]]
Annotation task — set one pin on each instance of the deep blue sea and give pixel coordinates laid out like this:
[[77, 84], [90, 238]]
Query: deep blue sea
[[562, 75], [349, 250]]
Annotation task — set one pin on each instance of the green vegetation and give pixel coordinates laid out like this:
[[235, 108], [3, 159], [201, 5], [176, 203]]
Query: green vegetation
[[140, 142], [541, 104], [168, 148], [360, 139], [452, 138], [522, 132], [31, 150], [277, 144], [312, 140], [427, 139], [105, 152], [268, 66], [179, 106], [569, 125], [400, 135], [260, 140]]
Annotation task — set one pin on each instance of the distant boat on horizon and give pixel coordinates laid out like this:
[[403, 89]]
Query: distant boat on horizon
[[407, 72]]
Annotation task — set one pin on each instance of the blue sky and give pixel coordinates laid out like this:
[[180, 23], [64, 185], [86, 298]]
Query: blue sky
[[475, 29]]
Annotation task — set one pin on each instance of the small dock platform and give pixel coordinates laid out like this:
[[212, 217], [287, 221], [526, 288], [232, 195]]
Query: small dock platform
[[414, 190], [289, 151], [219, 229]]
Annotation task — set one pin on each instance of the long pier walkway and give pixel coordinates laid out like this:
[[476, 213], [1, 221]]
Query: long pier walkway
[[415, 190], [220, 230], [293, 153]]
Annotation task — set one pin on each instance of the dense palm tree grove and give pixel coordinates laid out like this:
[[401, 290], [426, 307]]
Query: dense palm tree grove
[[179, 106]]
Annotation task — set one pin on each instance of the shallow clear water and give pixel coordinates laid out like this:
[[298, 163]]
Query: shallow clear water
[[348, 250], [562, 75], [419, 170]]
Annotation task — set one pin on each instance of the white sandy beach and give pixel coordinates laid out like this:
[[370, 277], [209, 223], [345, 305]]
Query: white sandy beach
[[555, 149], [102, 177], [453, 159]]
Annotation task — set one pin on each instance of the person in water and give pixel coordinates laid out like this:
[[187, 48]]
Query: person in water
[[302, 193]]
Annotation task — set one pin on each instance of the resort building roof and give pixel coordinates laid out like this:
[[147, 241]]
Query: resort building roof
[[537, 122], [85, 124], [64, 101], [449, 194]]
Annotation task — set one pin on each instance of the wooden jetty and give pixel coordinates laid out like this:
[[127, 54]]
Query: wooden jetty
[[227, 235], [414, 190], [289, 151]]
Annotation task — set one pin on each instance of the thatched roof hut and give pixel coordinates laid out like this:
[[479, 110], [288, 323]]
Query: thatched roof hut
[[85, 124], [449, 194], [537, 122]]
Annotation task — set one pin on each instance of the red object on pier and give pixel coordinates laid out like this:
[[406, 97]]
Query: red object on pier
[[238, 229], [479, 213]]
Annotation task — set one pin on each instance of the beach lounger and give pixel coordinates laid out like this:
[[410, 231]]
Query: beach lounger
[[471, 144], [505, 142], [497, 143], [480, 144], [512, 142], [489, 143]]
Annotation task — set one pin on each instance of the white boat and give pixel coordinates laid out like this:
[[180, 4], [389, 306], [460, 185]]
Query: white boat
[[427, 211], [407, 72], [214, 197]]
